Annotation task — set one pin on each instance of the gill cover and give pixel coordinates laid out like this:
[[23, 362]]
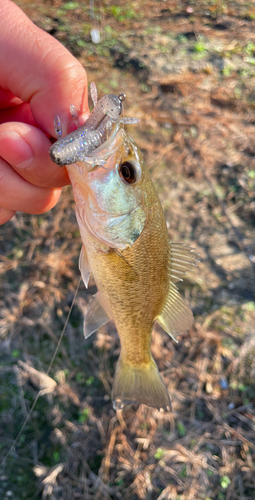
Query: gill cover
[[109, 198]]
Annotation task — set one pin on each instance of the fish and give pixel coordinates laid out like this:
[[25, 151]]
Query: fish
[[126, 247]]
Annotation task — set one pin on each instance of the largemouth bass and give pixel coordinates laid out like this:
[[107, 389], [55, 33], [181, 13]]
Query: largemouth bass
[[127, 249]]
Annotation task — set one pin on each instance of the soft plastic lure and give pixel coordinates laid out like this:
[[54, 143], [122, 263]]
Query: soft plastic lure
[[80, 144]]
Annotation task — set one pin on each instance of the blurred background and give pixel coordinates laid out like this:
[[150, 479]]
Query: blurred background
[[188, 70]]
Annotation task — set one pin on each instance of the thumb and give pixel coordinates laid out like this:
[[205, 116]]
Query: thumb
[[38, 69]]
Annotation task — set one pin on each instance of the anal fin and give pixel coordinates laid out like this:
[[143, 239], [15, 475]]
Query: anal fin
[[95, 317], [176, 316]]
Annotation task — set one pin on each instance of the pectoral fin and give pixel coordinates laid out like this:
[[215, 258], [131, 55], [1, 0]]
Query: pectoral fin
[[95, 317], [176, 315], [118, 260], [84, 266]]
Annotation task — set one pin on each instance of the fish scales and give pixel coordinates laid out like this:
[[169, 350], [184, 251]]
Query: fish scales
[[135, 293], [135, 267]]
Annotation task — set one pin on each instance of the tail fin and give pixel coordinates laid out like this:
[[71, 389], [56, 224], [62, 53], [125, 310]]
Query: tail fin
[[139, 384]]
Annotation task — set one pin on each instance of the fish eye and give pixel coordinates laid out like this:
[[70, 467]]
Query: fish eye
[[130, 172]]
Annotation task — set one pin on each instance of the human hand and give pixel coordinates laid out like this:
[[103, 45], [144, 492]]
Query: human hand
[[39, 78]]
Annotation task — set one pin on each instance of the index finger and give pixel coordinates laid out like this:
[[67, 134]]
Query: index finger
[[38, 69]]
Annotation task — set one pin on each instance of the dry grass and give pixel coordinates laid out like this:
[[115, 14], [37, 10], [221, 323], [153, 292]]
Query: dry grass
[[197, 134]]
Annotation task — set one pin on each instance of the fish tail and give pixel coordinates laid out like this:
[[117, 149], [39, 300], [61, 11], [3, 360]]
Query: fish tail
[[139, 384]]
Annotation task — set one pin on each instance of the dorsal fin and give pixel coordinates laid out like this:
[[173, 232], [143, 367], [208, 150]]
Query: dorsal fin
[[182, 260]]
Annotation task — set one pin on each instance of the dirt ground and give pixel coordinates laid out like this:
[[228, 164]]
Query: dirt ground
[[188, 70]]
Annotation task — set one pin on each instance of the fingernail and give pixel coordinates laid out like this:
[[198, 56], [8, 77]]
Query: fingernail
[[15, 150]]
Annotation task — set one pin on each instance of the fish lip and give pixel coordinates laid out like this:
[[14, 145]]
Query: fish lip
[[105, 150]]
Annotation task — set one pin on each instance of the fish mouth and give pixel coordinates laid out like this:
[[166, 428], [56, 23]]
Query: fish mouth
[[100, 155]]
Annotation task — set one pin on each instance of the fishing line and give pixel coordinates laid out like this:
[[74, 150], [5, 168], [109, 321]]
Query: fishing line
[[3, 463]]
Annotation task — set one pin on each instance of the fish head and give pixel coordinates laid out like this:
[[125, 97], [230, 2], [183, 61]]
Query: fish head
[[111, 196]]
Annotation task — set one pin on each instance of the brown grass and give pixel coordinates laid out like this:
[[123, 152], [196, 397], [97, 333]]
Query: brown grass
[[197, 134]]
